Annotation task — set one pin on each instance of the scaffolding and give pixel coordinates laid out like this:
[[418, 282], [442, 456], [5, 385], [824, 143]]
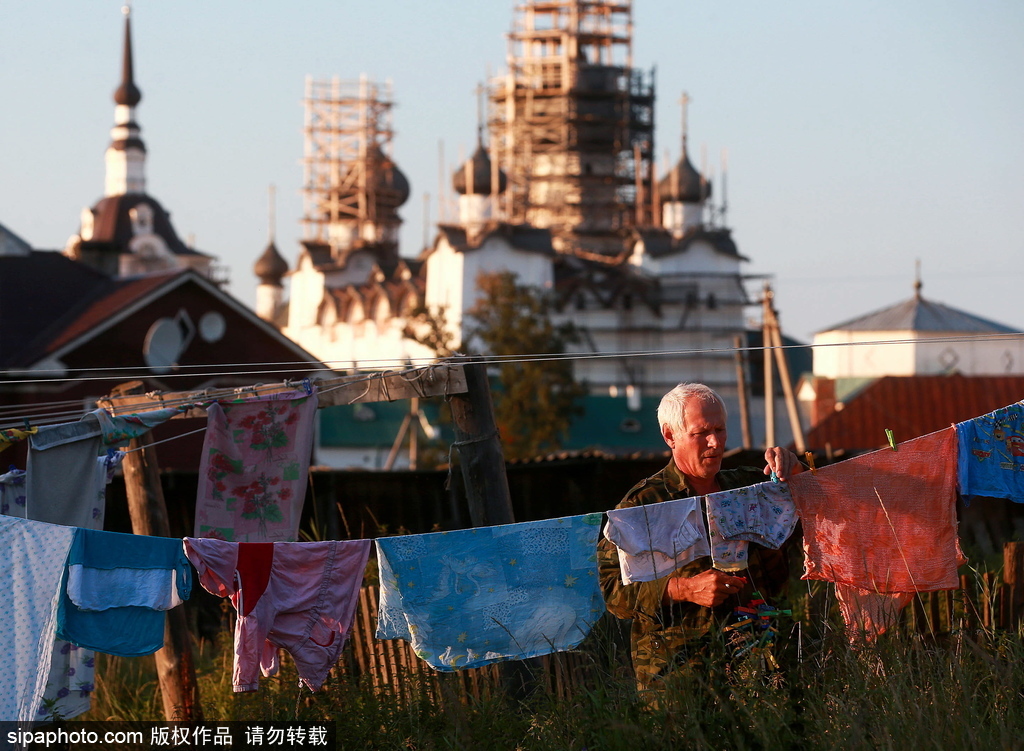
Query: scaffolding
[[572, 124], [351, 188]]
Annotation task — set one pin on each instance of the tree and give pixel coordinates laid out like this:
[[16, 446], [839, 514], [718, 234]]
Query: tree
[[534, 401]]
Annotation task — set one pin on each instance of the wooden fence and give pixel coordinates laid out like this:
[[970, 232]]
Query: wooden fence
[[391, 666]]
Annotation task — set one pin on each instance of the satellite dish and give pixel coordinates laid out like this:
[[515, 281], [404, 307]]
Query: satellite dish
[[164, 343], [166, 340], [212, 327]]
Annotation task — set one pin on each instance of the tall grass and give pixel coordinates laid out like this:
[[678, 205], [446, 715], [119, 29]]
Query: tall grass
[[963, 692]]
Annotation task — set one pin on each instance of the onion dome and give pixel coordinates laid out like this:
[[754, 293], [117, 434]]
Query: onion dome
[[271, 266], [684, 184], [479, 166], [127, 93], [392, 189]]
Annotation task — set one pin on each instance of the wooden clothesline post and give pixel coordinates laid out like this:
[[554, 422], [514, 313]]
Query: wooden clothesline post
[[175, 665]]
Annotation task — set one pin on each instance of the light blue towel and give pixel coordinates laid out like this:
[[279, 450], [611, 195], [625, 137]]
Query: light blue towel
[[990, 455], [471, 597], [126, 630]]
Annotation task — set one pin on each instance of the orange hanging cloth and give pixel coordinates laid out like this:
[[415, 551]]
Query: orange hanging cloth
[[885, 521]]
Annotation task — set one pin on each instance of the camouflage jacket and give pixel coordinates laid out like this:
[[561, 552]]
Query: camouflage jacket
[[660, 633]]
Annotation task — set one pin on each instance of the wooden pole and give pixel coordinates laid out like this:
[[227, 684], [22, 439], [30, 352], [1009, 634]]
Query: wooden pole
[[487, 494], [741, 387], [480, 454], [174, 662], [769, 374], [1013, 576], [787, 385]]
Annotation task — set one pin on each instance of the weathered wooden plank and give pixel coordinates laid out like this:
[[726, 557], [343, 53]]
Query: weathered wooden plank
[[389, 385]]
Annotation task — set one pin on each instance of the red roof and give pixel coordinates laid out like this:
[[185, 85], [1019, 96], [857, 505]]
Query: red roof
[[124, 293], [912, 406]]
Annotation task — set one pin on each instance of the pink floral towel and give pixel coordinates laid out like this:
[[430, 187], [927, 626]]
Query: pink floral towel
[[252, 476]]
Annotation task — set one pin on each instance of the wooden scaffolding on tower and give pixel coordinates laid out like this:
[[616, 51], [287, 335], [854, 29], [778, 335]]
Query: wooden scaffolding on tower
[[572, 124]]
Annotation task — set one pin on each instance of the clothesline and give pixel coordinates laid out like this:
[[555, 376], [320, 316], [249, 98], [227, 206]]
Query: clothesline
[[475, 596], [44, 412], [432, 380], [304, 366]]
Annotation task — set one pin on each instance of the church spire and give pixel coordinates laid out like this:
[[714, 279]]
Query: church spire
[[126, 155]]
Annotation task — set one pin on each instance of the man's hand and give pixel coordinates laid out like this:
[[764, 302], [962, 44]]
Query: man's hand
[[707, 589], [783, 462]]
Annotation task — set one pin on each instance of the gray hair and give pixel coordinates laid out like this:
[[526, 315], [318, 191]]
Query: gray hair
[[673, 404]]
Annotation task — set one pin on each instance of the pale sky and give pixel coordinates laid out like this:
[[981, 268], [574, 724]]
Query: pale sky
[[861, 135]]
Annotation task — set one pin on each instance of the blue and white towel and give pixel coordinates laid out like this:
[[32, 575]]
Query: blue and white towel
[[472, 597], [116, 590]]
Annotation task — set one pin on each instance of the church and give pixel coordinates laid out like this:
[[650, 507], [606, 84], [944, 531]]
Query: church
[[562, 190]]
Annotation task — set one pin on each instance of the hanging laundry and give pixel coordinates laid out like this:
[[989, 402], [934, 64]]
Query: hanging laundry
[[118, 430], [476, 596], [990, 460], [763, 513], [884, 521], [866, 614], [12, 493], [30, 572], [61, 468], [116, 589], [72, 668], [10, 436], [253, 472], [297, 596], [656, 539]]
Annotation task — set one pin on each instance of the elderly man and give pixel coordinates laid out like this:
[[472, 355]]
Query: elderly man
[[674, 615]]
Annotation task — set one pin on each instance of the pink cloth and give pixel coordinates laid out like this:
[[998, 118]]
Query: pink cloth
[[885, 521], [869, 614], [253, 472], [299, 596]]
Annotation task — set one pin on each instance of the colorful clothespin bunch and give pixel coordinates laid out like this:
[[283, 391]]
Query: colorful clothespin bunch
[[892, 439]]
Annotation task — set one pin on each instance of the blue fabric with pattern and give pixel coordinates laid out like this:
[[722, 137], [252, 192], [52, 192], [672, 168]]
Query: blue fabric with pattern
[[472, 597], [990, 454]]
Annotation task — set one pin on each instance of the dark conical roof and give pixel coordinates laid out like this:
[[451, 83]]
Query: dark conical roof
[[479, 165], [683, 183], [127, 93], [271, 266], [392, 187]]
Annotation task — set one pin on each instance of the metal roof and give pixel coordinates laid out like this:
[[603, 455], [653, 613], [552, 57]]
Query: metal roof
[[918, 314]]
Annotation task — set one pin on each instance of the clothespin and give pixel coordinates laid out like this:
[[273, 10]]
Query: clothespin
[[809, 456], [28, 425], [892, 439], [775, 477], [308, 386]]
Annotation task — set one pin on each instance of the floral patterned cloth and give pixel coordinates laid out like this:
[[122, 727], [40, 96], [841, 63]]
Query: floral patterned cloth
[[9, 436], [12, 493], [253, 472], [30, 572], [763, 513], [990, 459], [476, 596], [120, 429]]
